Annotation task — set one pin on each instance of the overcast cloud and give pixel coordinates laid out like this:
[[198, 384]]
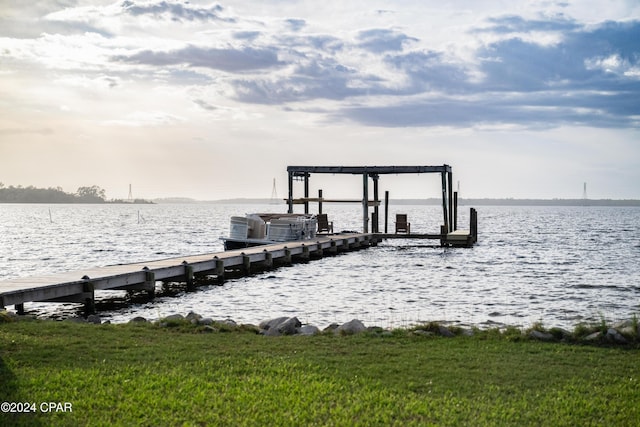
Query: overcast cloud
[[213, 100]]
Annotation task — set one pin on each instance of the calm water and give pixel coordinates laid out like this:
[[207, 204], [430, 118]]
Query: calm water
[[558, 265]]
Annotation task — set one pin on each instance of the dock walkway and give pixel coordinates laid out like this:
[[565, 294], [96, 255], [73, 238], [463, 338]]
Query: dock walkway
[[80, 286]]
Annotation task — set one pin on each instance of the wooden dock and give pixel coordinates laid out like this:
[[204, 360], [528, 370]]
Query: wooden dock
[[80, 286]]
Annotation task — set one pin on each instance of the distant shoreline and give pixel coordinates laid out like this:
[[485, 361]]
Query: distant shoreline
[[431, 201], [393, 202]]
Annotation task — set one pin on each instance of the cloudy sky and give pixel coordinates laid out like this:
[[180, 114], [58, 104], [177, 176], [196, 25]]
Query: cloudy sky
[[213, 100]]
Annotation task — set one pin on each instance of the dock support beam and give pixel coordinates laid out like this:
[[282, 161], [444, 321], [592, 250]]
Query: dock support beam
[[246, 264], [386, 211], [219, 270], [268, 260], [455, 210], [444, 203], [306, 193], [189, 277], [375, 226], [450, 196], [305, 253], [89, 296], [365, 202], [290, 196], [149, 282], [473, 225]]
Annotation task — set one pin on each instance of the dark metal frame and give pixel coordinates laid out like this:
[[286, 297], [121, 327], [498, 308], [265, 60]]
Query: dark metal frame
[[303, 173]]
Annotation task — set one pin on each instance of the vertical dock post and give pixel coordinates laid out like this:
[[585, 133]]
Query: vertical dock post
[[450, 195], [149, 282], [305, 253], [319, 202], [386, 211], [188, 276], [375, 226], [246, 264], [19, 309], [473, 226], [219, 270], [444, 199], [306, 192], [268, 259], [455, 211], [365, 202], [290, 196], [88, 291]]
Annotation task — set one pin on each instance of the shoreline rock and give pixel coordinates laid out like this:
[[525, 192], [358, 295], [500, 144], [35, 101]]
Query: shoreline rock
[[623, 333]]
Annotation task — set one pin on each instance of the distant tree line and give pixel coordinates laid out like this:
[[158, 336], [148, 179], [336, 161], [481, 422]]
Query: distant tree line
[[31, 194]]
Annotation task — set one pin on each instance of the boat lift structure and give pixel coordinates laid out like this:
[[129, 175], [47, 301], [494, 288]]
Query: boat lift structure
[[449, 234]]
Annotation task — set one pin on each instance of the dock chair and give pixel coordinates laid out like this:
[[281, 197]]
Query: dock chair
[[323, 223], [402, 226]]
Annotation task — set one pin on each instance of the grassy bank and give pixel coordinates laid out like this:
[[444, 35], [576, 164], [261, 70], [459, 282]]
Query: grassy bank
[[146, 375]]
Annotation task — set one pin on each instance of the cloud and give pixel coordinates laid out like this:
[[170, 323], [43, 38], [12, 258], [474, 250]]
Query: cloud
[[228, 59], [572, 63], [204, 105], [296, 24], [490, 112], [430, 71], [511, 24], [174, 11], [591, 77], [527, 70], [246, 35], [383, 40]]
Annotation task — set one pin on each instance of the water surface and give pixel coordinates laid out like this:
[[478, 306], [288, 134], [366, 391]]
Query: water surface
[[558, 265]]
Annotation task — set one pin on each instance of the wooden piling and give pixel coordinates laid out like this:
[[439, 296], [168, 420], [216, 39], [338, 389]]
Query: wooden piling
[[150, 283], [246, 264], [189, 276], [386, 211], [268, 260], [444, 198], [305, 253], [455, 210], [319, 252], [365, 202], [88, 290], [375, 226], [219, 269], [450, 196], [473, 225]]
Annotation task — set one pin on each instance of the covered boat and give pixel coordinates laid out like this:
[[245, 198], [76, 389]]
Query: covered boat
[[267, 228]]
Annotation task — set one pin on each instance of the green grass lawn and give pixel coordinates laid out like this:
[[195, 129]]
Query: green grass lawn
[[146, 375]]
